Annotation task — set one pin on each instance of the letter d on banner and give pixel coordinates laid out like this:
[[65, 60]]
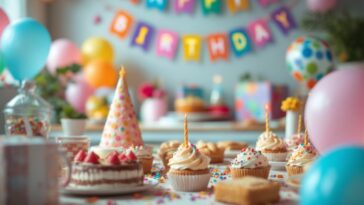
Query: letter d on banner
[[240, 42]]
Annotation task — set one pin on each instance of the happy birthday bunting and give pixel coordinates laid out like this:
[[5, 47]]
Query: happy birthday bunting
[[191, 47], [121, 24], [218, 46], [211, 6], [283, 18], [184, 6], [237, 5], [240, 42], [167, 43], [260, 32], [142, 35], [158, 4]]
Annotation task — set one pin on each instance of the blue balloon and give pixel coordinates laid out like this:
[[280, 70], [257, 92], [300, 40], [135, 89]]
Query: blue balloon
[[337, 178], [25, 45]]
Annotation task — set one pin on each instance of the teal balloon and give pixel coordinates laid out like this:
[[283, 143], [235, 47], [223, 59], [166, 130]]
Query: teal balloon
[[25, 45], [337, 178], [2, 63]]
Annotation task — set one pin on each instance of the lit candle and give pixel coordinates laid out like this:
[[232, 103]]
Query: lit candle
[[185, 132], [266, 118]]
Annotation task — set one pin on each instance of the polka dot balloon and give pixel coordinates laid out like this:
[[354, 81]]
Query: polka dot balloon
[[308, 60]]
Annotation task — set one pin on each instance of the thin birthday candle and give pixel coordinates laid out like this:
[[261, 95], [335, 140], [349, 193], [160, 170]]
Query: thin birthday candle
[[266, 118], [299, 127], [185, 132], [305, 142]]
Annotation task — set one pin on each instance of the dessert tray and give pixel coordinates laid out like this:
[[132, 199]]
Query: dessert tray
[[69, 190]]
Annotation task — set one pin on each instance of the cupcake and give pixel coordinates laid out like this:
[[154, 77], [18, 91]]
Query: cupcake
[[144, 155], [301, 157], [189, 170], [231, 145], [272, 146], [166, 151], [211, 150], [250, 163], [294, 141]]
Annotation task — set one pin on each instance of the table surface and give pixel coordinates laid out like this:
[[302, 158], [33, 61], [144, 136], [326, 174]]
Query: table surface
[[164, 194]]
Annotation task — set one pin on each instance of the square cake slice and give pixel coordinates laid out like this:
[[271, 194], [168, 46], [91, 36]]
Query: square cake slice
[[247, 191]]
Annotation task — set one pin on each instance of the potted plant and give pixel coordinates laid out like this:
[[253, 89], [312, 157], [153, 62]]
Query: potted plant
[[154, 102], [343, 32], [73, 122]]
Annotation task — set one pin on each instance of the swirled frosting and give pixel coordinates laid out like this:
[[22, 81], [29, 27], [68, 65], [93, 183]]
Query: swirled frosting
[[270, 141], [249, 158], [168, 148], [294, 141], [302, 155], [188, 157], [142, 151]]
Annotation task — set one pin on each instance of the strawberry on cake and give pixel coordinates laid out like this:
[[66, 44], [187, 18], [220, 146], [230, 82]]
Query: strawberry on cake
[[117, 169]]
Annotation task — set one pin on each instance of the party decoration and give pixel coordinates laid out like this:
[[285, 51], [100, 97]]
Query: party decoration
[[292, 106], [191, 47], [333, 111], [167, 43], [2, 63], [184, 6], [25, 45], [121, 128], [308, 60], [260, 32], [121, 24], [4, 20], [266, 3], [237, 5], [100, 73], [218, 46], [63, 53], [211, 6], [158, 4], [77, 93], [321, 6], [142, 35], [240, 42], [97, 48], [283, 18], [335, 178]]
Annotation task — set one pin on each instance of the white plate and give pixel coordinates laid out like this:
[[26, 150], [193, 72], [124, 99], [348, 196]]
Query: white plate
[[109, 191], [294, 181], [277, 165]]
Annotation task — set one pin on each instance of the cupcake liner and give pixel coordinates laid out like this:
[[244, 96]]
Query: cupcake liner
[[189, 183], [294, 170], [276, 157], [262, 172], [147, 164]]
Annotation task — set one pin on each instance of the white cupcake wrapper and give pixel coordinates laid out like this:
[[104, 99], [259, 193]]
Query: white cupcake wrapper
[[189, 183], [276, 157]]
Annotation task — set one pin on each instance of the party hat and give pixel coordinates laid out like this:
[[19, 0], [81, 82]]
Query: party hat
[[121, 128]]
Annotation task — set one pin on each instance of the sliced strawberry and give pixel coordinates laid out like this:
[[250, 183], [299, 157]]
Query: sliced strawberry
[[92, 158], [131, 156], [113, 159], [122, 157], [80, 156]]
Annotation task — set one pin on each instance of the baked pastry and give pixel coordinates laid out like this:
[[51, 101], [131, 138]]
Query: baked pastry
[[190, 104], [166, 151], [189, 169], [231, 145], [247, 191], [211, 150], [250, 163], [272, 146], [301, 157], [294, 141], [145, 156], [118, 169]]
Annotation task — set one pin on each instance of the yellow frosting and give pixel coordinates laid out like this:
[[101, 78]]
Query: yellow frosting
[[291, 104]]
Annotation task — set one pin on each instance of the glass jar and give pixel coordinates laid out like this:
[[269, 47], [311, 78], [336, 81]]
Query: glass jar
[[27, 114]]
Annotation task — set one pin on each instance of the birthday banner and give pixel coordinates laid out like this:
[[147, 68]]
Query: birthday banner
[[207, 6], [239, 41]]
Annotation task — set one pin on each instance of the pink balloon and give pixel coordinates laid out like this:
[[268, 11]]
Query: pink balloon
[[321, 6], [77, 93], [334, 110], [63, 52], [4, 21]]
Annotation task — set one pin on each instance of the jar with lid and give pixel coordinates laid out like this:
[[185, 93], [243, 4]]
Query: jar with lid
[[27, 114]]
